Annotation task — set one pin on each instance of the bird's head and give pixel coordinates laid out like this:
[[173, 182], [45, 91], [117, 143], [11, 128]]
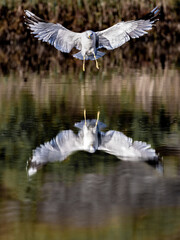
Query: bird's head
[[89, 34]]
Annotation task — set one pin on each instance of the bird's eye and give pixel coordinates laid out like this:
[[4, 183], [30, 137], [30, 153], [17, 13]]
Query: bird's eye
[[91, 35]]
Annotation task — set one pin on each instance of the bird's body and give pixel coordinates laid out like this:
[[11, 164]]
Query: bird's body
[[90, 42], [90, 138]]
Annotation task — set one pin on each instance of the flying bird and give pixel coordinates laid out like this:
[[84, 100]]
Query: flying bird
[[89, 42], [90, 138]]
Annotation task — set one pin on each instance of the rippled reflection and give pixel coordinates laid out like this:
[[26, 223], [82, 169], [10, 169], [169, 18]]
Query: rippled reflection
[[97, 199], [90, 196], [90, 139]]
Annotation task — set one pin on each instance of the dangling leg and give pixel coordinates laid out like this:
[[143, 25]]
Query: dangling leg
[[85, 115], [96, 61], [98, 113], [83, 63]]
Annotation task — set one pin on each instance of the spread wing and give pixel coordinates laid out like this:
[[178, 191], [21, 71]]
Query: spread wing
[[58, 149], [55, 34], [121, 32], [123, 147]]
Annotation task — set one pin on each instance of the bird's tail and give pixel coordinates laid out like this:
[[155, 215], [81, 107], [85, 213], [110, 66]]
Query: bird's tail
[[90, 57], [98, 55], [78, 55]]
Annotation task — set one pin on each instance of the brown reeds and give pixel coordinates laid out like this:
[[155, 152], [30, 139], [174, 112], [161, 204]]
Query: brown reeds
[[20, 51]]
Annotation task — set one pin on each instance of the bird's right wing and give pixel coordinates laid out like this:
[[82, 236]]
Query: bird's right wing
[[121, 32], [58, 149], [55, 34], [123, 147]]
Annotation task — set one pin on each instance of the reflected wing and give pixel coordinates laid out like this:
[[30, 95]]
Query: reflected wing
[[116, 143], [121, 32], [58, 149], [55, 34]]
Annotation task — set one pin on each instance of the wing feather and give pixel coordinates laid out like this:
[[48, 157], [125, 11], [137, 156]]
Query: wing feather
[[121, 32], [123, 147], [58, 149], [55, 34]]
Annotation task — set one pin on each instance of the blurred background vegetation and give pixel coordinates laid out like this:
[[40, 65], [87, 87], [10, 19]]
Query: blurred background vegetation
[[19, 51]]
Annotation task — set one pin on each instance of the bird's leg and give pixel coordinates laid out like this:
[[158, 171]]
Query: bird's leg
[[85, 115], [84, 63], [98, 113], [96, 61]]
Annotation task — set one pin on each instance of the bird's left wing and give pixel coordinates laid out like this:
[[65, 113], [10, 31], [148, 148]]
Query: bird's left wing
[[123, 147], [58, 149], [121, 32], [55, 34]]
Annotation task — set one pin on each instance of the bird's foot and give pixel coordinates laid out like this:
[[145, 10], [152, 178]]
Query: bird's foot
[[83, 67], [83, 63], [97, 66]]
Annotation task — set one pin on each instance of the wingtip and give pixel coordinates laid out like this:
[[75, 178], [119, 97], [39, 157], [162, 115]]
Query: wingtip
[[31, 171], [28, 13], [155, 10]]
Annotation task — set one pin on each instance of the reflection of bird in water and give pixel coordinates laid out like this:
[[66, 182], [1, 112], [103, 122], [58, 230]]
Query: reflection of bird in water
[[89, 42], [90, 139]]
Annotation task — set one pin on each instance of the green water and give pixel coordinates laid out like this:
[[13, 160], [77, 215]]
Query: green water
[[90, 196]]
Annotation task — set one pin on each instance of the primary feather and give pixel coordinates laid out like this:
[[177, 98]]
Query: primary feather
[[121, 32], [55, 34]]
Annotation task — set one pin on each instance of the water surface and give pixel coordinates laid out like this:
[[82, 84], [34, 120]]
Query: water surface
[[90, 196]]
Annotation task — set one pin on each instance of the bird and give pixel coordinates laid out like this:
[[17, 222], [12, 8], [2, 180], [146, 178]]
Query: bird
[[90, 138], [89, 42]]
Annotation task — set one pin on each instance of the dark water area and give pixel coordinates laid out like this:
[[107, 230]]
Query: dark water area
[[43, 92]]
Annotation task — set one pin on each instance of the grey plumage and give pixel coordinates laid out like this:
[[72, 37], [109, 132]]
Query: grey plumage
[[89, 42]]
